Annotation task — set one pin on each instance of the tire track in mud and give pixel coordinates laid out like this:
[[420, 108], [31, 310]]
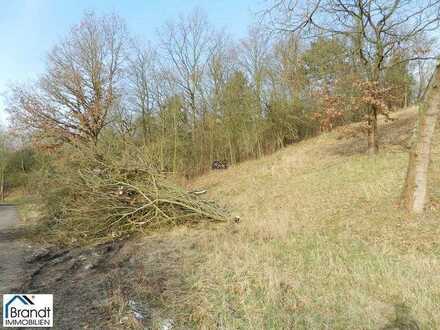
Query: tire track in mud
[[13, 252]]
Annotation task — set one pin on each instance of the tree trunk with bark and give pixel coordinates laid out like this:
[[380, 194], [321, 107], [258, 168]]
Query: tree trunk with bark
[[415, 192], [2, 185], [373, 138]]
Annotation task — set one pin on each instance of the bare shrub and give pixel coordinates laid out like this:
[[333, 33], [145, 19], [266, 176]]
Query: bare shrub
[[100, 195]]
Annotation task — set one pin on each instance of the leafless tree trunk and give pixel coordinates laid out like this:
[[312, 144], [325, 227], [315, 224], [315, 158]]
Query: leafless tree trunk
[[373, 138], [2, 184], [415, 192], [188, 46], [255, 62], [3, 164], [142, 77]]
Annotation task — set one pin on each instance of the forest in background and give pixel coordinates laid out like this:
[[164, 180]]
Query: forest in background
[[108, 102], [198, 95]]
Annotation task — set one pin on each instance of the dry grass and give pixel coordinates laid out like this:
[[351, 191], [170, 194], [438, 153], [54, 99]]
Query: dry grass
[[322, 243]]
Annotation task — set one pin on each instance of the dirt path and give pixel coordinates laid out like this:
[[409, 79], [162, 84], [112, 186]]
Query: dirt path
[[81, 279], [12, 250]]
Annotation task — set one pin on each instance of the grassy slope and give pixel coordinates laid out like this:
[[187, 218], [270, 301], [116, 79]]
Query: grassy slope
[[322, 243]]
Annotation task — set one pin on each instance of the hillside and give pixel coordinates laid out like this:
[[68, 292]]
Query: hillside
[[221, 165], [321, 244]]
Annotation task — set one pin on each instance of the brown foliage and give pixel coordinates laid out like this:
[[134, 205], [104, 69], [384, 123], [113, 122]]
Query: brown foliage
[[332, 113], [371, 93]]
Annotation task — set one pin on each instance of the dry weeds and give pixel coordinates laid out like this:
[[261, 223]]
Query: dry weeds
[[321, 244]]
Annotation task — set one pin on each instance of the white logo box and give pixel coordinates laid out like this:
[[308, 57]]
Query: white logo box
[[22, 310]]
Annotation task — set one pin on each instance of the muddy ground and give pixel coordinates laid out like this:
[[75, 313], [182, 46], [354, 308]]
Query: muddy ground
[[93, 287]]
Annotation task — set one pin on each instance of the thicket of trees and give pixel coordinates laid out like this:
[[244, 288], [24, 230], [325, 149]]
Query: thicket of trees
[[15, 163], [198, 95], [385, 37]]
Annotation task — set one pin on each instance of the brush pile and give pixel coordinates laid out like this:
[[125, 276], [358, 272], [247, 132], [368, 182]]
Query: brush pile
[[97, 199]]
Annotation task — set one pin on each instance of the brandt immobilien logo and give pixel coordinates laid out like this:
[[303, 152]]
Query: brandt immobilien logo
[[24, 310]]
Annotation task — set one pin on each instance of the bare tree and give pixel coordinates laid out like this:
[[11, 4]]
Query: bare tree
[[421, 68], [81, 85], [222, 63], [287, 70], [254, 59], [188, 46], [377, 30], [142, 71], [255, 52]]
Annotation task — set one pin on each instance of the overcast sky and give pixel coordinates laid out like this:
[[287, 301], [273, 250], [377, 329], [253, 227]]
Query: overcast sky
[[30, 28]]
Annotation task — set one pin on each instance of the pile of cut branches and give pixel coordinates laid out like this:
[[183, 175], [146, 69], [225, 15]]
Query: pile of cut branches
[[98, 200]]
